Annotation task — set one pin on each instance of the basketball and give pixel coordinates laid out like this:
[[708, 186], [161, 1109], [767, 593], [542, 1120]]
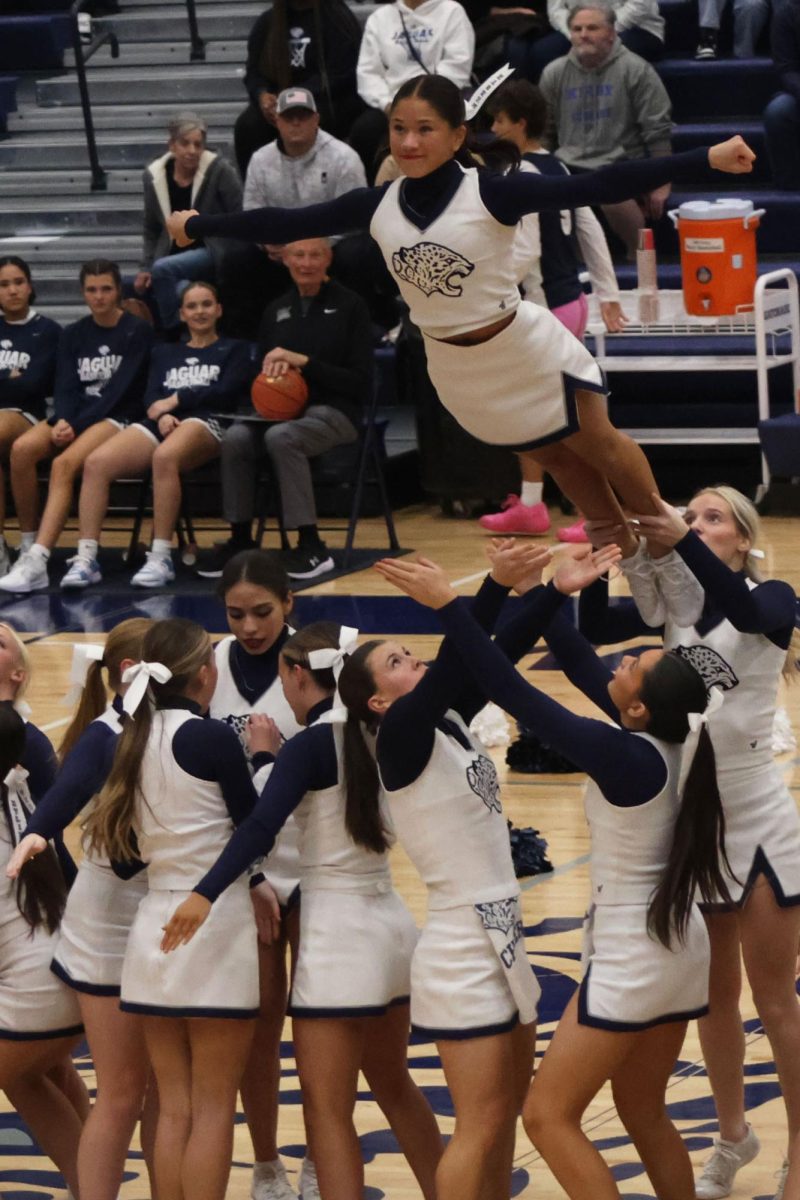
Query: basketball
[[280, 397]]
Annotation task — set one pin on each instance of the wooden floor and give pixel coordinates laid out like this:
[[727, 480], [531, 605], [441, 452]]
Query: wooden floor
[[552, 906]]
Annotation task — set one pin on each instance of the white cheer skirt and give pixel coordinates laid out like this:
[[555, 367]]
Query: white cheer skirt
[[215, 975], [517, 389], [762, 832], [354, 958], [33, 1004], [470, 975], [630, 980], [94, 929]]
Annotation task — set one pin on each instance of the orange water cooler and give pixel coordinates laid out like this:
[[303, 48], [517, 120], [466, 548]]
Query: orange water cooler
[[718, 254]]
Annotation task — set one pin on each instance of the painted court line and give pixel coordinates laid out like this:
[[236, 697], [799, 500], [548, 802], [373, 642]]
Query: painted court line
[[562, 870]]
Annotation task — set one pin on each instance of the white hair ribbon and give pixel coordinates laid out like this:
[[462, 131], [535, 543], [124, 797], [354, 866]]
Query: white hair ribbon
[[756, 553], [139, 676], [331, 659], [18, 804], [482, 93], [83, 654], [696, 722], [23, 709]]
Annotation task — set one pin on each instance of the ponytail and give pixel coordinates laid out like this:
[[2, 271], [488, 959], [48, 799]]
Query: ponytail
[[92, 703], [361, 781]]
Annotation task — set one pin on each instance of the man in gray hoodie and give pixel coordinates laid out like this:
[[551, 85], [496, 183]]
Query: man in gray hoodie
[[607, 104]]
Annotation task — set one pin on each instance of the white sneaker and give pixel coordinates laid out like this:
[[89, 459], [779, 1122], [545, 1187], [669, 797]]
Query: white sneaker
[[157, 572], [781, 1178], [270, 1182], [720, 1170], [308, 1187], [82, 573], [640, 572], [681, 590], [29, 574]]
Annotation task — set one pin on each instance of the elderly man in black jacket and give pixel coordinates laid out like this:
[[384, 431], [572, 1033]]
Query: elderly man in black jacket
[[323, 329]]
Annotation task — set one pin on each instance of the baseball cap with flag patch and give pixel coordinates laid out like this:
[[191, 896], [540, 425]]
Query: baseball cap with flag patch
[[296, 97]]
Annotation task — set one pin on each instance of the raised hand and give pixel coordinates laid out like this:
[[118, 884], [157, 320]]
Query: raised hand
[[576, 571], [667, 528], [517, 561], [422, 580], [185, 922], [31, 845]]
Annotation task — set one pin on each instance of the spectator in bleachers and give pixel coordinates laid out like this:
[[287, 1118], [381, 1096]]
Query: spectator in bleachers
[[187, 384], [639, 25], [403, 39], [607, 104], [188, 173], [782, 114], [323, 329], [308, 43], [28, 347], [749, 19], [101, 371], [304, 166]]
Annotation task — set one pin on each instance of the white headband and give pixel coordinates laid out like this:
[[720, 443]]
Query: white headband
[[482, 93], [330, 659], [139, 676], [83, 654]]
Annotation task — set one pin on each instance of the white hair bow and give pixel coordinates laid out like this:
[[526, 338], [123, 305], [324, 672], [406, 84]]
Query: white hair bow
[[83, 654], [17, 803], [698, 720], [15, 776], [139, 676], [330, 659], [482, 93], [23, 709]]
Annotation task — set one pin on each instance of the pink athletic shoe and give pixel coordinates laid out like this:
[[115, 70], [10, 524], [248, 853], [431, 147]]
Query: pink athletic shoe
[[517, 517], [573, 533]]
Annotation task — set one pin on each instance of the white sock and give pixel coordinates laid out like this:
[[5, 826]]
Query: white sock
[[26, 541], [87, 549], [161, 547], [42, 551], [530, 493]]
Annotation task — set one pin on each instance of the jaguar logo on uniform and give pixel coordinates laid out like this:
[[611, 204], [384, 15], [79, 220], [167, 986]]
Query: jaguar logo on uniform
[[432, 268], [711, 667], [482, 778], [505, 917]]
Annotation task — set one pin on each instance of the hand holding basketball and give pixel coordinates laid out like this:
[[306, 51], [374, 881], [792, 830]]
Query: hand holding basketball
[[279, 397]]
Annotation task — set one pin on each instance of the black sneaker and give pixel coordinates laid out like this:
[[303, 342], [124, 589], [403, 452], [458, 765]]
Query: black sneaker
[[706, 44], [306, 562], [211, 563]]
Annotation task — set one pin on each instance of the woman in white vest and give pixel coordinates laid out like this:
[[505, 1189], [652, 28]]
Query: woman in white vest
[[350, 990]]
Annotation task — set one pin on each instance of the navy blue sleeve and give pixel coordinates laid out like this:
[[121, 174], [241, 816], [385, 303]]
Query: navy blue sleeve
[[628, 770], [233, 384], [67, 390], [39, 760], [352, 211], [580, 664], [769, 608], [211, 750], [604, 624], [306, 763], [82, 776], [509, 197]]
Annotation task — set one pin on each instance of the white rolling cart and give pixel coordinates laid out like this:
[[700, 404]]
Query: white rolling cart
[[773, 323]]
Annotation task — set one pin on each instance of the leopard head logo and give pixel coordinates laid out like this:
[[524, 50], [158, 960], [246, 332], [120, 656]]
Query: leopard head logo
[[432, 268], [710, 666]]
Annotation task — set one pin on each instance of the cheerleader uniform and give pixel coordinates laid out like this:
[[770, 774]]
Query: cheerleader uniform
[[194, 787], [33, 1003], [28, 347], [249, 683], [206, 380], [356, 935], [448, 242], [740, 645], [631, 980], [101, 905]]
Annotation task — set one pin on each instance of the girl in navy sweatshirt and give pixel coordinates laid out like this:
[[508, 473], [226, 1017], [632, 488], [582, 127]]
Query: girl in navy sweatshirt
[[28, 346], [188, 383], [100, 377]]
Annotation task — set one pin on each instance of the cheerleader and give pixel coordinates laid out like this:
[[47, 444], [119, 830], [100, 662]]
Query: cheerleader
[[254, 588], [99, 912], [39, 1017], [177, 786], [447, 232], [742, 643], [188, 383], [28, 345], [654, 841], [350, 990], [101, 371]]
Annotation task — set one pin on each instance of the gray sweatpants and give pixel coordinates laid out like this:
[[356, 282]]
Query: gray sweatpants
[[289, 446]]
